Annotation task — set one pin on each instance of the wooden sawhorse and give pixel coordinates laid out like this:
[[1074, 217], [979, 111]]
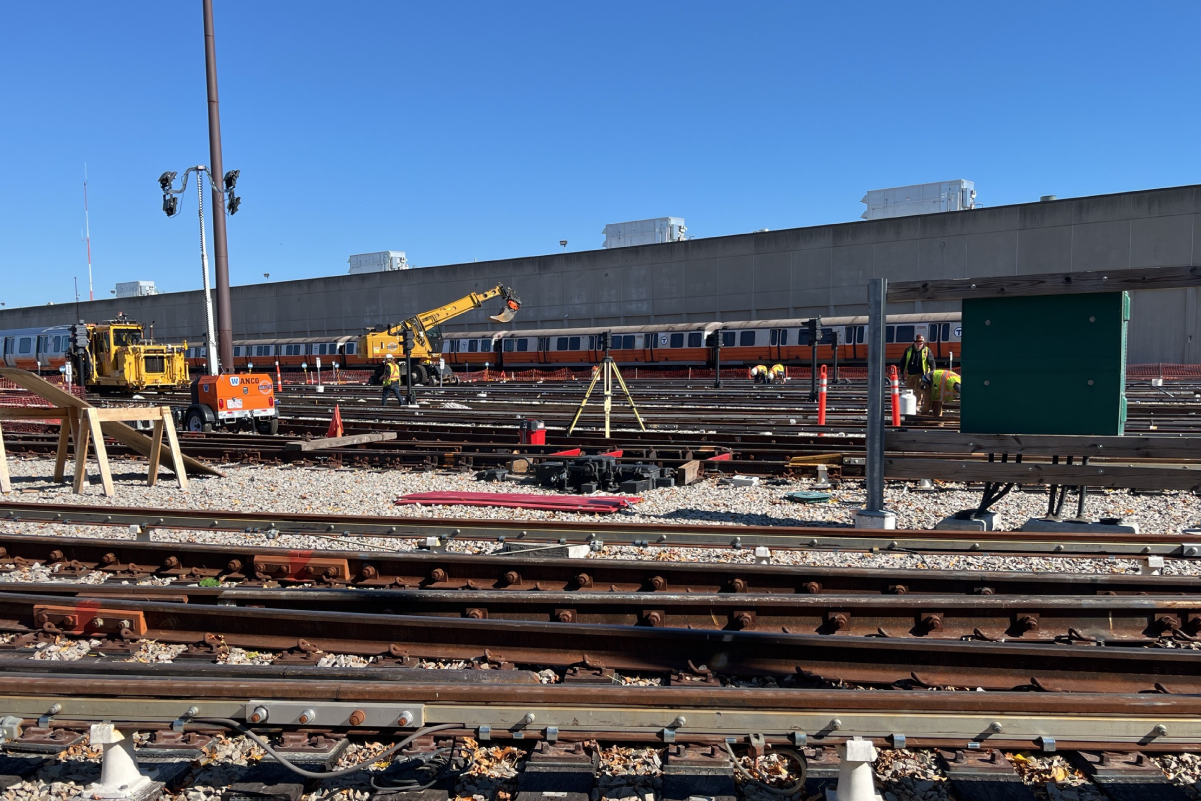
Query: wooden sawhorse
[[82, 426]]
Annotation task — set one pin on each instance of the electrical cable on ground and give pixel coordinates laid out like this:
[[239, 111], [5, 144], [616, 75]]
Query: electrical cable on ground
[[309, 774]]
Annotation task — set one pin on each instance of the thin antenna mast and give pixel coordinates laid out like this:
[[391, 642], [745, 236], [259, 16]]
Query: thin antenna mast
[[88, 229]]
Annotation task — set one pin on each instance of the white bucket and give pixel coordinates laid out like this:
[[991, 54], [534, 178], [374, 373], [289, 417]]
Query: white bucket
[[908, 403]]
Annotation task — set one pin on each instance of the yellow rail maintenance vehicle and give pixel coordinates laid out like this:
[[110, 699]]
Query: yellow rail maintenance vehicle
[[117, 357], [427, 332]]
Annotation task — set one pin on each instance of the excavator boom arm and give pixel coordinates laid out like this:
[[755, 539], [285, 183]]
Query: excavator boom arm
[[475, 300]]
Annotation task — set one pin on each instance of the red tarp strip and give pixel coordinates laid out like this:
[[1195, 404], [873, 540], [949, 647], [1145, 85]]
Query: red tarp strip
[[549, 503], [614, 454], [721, 457], [571, 452]]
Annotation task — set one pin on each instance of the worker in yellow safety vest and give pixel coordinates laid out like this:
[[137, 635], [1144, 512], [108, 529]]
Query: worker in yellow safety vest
[[941, 386], [777, 374], [391, 381], [914, 365], [759, 374]]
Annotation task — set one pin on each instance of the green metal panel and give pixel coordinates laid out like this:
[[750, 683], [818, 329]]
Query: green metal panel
[[1051, 364]]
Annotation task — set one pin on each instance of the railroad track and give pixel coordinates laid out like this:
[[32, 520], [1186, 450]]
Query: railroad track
[[445, 530]]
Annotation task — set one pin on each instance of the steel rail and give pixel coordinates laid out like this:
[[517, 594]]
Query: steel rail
[[1101, 620], [804, 659], [536, 570], [652, 714], [271, 524]]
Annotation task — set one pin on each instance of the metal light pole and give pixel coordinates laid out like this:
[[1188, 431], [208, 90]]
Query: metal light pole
[[875, 515], [211, 345], [225, 329]]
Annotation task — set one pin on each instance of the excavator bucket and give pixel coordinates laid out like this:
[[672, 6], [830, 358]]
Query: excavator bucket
[[508, 313]]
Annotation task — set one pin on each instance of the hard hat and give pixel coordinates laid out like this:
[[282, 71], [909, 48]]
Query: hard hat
[[388, 358]]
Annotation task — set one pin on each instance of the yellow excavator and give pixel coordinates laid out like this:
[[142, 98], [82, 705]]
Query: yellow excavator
[[426, 331]]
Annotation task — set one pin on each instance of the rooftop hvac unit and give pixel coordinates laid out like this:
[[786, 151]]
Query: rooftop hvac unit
[[905, 201]]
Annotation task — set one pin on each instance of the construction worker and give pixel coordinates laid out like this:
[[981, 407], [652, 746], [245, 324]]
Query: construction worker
[[941, 386], [391, 381], [777, 374], [759, 374], [914, 365]]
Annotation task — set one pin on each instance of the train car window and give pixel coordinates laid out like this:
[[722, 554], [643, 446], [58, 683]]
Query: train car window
[[746, 339], [677, 340], [934, 333], [696, 339], [627, 341], [783, 337], [775, 337], [523, 345], [860, 330], [543, 343], [452, 346], [352, 348], [904, 333], [508, 346], [728, 338], [946, 332], [890, 334], [573, 343], [237, 350], [561, 343], [473, 346], [802, 337], [25, 345]]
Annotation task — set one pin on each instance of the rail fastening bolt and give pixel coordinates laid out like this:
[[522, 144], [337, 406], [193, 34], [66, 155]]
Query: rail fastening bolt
[[69, 621], [655, 619], [234, 565], [512, 577], [1167, 623], [528, 718], [259, 567], [1028, 623], [476, 614], [658, 583], [583, 580], [108, 559], [811, 587], [55, 556], [1160, 730], [745, 620], [932, 622], [406, 718], [259, 714], [437, 575], [97, 621], [995, 727], [307, 716], [564, 616], [369, 572], [357, 717], [171, 563], [739, 585], [840, 621]]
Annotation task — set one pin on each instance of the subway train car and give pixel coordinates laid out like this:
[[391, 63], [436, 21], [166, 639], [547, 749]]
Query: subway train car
[[674, 344], [787, 341], [39, 350]]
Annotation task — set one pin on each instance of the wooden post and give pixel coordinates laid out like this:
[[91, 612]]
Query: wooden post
[[5, 485], [156, 452], [60, 455], [81, 433], [177, 457], [106, 476]]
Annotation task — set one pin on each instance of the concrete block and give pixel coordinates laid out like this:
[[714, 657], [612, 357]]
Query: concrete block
[[1078, 526], [988, 521], [885, 521]]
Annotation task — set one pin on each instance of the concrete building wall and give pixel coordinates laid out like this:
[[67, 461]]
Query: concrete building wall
[[794, 272]]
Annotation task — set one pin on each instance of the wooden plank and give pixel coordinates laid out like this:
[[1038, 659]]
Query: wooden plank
[[688, 473], [156, 452], [1126, 447], [106, 474], [338, 442], [1002, 286], [82, 438], [815, 459], [60, 454], [135, 440], [5, 485], [181, 475], [130, 414], [1106, 475], [31, 413]]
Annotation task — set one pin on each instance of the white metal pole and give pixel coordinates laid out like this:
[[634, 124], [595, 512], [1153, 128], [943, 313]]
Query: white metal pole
[[211, 334]]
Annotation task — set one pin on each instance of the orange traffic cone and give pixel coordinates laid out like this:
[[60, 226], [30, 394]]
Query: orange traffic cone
[[335, 425]]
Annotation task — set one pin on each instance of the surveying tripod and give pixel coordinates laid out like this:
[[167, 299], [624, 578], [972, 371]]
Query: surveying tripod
[[607, 368]]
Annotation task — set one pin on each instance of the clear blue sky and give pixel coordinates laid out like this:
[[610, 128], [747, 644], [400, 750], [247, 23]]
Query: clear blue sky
[[461, 131]]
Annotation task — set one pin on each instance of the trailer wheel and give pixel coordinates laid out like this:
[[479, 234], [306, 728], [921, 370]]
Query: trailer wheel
[[267, 425], [196, 423]]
